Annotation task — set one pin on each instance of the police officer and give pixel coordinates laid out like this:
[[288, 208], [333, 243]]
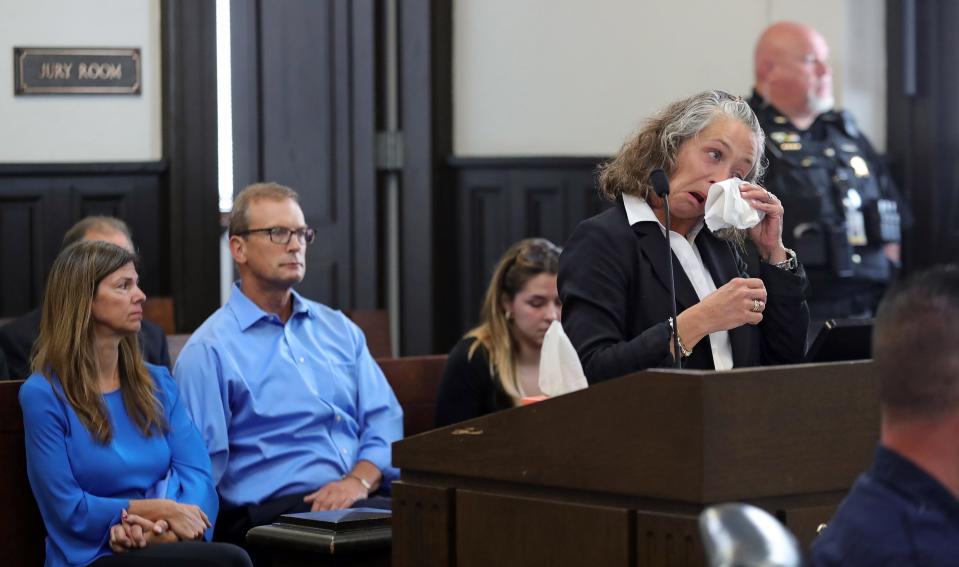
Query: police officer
[[845, 217]]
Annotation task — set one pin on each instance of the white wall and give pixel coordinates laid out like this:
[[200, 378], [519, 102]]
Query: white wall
[[575, 77], [80, 128]]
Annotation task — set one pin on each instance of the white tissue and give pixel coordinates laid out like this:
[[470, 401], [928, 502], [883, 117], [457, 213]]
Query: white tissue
[[560, 371], [726, 208]]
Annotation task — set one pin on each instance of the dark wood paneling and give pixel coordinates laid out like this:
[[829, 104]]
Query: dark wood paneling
[[695, 436], [39, 202], [22, 246], [493, 529], [497, 202], [188, 43], [366, 284], [422, 526], [923, 126], [426, 96], [668, 540], [304, 102], [21, 527]]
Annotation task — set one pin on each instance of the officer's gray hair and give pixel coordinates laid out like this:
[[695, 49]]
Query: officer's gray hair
[[657, 144]]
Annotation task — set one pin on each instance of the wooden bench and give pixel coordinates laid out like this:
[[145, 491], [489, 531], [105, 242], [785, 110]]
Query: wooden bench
[[415, 381], [159, 310], [21, 528], [375, 324]]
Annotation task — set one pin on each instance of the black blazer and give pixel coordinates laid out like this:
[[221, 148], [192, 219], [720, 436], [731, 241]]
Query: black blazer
[[17, 337], [467, 389], [614, 284]]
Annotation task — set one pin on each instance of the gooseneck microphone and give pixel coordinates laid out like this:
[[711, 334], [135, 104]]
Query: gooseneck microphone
[[661, 187]]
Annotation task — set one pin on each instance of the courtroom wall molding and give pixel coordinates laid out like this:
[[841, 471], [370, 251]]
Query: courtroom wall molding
[[494, 202], [40, 201], [923, 122], [84, 168], [188, 30]]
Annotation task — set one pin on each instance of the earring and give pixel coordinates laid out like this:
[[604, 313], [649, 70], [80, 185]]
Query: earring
[[509, 314]]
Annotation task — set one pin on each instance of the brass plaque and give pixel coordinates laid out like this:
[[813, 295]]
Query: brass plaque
[[45, 70]]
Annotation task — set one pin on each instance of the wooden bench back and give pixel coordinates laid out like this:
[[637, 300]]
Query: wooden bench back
[[159, 309], [21, 527], [375, 324], [415, 381]]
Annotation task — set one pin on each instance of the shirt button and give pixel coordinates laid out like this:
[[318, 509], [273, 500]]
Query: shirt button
[[302, 360], [338, 418], [344, 450]]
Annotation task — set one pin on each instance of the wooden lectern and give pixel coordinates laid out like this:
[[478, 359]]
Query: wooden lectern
[[617, 474]]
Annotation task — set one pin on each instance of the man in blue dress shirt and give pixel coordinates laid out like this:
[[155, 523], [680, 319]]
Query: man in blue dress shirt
[[904, 510], [295, 413]]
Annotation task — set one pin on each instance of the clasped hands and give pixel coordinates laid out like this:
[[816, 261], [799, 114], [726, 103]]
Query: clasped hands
[[165, 522]]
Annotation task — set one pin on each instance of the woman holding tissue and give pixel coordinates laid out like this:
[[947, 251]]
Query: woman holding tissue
[[613, 277], [497, 363], [116, 465]]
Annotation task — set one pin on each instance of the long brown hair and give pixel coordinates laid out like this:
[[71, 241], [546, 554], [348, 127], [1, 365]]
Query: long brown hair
[[65, 346], [523, 261]]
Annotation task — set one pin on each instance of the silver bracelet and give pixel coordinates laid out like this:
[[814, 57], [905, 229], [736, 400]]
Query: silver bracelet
[[682, 348], [366, 484]]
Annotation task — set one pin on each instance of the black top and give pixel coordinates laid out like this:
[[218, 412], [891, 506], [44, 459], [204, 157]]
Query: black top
[[613, 281], [467, 389], [895, 514], [835, 189], [17, 337]]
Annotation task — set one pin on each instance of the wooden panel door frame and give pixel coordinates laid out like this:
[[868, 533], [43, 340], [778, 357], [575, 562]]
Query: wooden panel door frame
[[351, 54], [426, 119], [188, 40]]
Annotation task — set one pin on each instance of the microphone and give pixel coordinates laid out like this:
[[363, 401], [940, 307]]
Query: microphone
[[660, 183], [661, 187]]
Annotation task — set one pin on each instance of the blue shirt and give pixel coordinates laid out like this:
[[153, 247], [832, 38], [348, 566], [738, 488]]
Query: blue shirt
[[286, 409], [895, 515], [81, 486]]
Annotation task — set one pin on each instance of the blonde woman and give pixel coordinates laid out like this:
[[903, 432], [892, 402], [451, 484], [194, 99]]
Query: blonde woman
[[116, 465], [497, 363]]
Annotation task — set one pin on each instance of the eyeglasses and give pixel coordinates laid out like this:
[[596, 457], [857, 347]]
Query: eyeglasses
[[282, 235]]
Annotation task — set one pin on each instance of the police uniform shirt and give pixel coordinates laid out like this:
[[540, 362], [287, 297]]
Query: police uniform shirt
[[841, 204]]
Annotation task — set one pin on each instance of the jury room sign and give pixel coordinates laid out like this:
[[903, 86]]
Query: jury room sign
[[45, 70]]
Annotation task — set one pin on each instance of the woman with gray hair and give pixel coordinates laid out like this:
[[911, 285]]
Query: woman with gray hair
[[613, 276]]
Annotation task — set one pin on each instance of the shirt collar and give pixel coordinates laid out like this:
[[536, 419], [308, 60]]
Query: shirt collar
[[638, 210], [899, 472], [248, 313]]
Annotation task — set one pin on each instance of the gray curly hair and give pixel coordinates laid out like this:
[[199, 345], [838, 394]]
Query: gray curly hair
[[657, 144]]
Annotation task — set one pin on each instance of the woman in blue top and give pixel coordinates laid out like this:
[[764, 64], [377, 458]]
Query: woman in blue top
[[114, 461]]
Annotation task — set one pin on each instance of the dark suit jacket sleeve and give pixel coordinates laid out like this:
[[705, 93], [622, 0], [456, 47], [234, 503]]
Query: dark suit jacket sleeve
[[16, 363], [153, 344], [598, 289], [16, 340], [786, 316], [467, 389]]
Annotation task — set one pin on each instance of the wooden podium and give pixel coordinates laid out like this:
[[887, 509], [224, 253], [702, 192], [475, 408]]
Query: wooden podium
[[617, 474]]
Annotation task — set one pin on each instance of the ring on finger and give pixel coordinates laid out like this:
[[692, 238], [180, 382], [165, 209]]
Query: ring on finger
[[758, 306]]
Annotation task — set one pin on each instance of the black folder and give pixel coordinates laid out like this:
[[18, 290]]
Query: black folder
[[842, 339]]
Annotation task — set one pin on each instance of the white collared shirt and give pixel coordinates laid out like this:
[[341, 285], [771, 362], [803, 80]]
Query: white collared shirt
[[638, 210]]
